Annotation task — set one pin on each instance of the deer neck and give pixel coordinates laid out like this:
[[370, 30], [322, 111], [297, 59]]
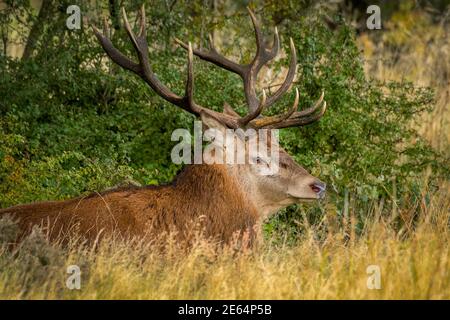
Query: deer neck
[[215, 183], [227, 186]]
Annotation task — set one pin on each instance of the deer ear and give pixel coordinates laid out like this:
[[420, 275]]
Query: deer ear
[[211, 122]]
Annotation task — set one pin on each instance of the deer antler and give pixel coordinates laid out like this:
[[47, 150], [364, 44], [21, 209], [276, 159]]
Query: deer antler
[[248, 73], [144, 70]]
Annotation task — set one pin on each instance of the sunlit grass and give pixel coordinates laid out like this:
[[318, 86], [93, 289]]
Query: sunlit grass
[[414, 264]]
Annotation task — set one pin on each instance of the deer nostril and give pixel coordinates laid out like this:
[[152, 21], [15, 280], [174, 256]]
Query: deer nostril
[[319, 188]]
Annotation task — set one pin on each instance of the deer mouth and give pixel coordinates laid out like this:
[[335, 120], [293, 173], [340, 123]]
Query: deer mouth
[[299, 199]]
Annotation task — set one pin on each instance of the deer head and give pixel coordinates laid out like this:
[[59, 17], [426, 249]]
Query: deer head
[[290, 183]]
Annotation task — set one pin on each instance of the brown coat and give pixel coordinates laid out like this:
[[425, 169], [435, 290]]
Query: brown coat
[[138, 211]]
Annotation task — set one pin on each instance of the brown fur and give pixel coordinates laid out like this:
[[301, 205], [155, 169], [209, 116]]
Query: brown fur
[[137, 211]]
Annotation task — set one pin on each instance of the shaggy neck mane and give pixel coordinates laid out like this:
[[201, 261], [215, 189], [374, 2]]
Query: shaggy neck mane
[[213, 192], [199, 180]]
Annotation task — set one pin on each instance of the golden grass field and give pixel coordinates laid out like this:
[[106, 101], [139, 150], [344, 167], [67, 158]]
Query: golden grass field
[[414, 262]]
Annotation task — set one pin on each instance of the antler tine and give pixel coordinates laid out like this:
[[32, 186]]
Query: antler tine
[[276, 44], [303, 118], [190, 83], [252, 115], [130, 32], [269, 121], [227, 109], [263, 54], [258, 35], [310, 110], [289, 77], [115, 54], [213, 57], [143, 23]]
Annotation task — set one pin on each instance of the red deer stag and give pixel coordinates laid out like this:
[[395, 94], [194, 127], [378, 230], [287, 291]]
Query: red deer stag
[[229, 198]]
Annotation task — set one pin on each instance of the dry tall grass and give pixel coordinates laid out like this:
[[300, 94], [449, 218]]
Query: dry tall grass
[[414, 264]]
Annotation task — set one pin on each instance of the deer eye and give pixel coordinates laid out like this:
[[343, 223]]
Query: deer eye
[[260, 160]]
